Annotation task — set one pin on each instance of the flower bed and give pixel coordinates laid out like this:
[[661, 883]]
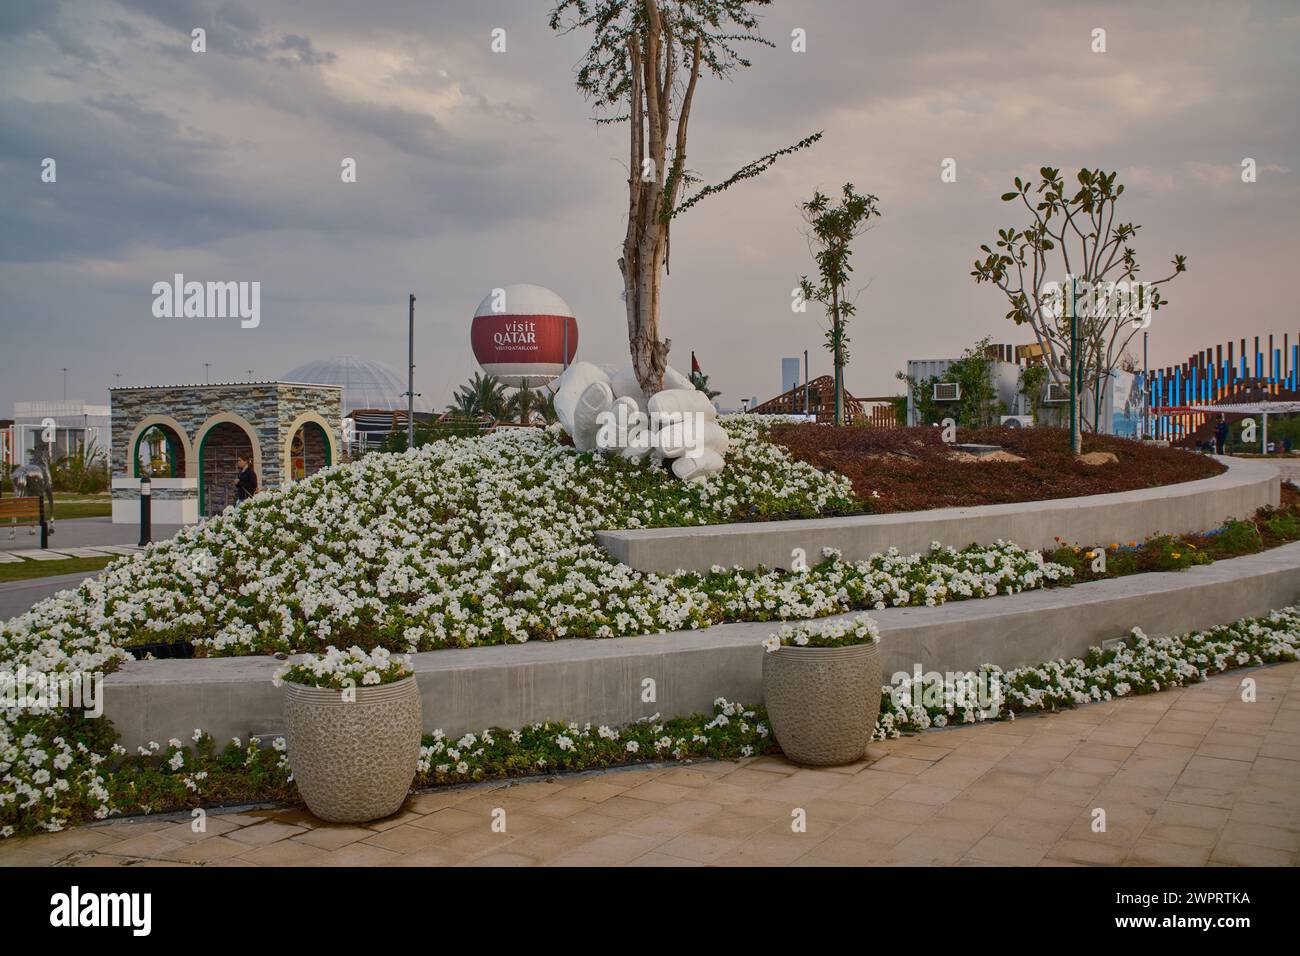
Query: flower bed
[[59, 775], [93, 779], [1145, 666], [911, 469], [481, 541], [1269, 528]]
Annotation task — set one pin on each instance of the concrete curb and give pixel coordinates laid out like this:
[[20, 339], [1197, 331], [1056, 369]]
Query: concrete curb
[[1190, 506], [604, 681]]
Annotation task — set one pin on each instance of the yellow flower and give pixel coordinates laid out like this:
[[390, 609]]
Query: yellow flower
[[1177, 555]]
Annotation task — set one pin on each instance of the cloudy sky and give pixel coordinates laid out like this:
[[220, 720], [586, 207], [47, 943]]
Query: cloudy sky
[[477, 169]]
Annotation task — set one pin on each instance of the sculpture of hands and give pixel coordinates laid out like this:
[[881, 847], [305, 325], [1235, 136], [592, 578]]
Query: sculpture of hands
[[610, 413]]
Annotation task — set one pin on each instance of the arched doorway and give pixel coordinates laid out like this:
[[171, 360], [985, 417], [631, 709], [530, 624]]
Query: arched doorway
[[309, 451], [159, 452], [219, 448]]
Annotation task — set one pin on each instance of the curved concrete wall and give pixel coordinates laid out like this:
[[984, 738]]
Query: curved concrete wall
[[604, 681], [1191, 506]]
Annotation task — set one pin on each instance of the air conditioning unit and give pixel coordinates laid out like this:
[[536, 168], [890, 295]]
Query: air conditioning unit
[[1057, 392], [1017, 421], [947, 392]]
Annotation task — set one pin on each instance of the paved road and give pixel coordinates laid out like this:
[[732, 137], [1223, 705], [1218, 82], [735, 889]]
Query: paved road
[[18, 596], [84, 533], [1186, 777]]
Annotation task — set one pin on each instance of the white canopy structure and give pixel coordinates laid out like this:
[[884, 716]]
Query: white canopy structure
[[1262, 409]]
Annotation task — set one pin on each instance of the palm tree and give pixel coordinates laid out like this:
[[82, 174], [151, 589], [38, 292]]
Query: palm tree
[[462, 404], [524, 403], [481, 395], [547, 409]]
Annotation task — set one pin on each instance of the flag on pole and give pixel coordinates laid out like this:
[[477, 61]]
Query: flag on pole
[[695, 364]]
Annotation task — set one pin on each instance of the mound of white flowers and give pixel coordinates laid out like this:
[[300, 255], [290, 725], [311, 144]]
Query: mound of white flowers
[[482, 541]]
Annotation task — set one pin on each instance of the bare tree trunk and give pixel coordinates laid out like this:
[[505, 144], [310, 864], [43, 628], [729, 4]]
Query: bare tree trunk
[[653, 60], [838, 331]]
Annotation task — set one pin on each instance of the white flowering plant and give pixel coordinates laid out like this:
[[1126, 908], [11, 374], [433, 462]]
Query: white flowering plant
[[1143, 665], [845, 632], [486, 540], [55, 775], [339, 669]]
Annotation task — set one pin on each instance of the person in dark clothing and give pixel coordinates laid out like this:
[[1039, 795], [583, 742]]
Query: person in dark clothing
[[246, 483], [1220, 434]]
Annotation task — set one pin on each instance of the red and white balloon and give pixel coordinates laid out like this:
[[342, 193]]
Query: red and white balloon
[[518, 334]]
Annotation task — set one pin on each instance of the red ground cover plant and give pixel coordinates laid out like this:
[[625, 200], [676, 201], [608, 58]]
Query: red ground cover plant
[[911, 469]]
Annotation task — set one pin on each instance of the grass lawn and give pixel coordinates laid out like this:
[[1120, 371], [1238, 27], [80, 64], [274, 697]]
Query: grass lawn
[[73, 505], [26, 570]]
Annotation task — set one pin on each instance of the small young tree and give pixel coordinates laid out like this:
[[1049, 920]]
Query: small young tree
[[643, 65], [832, 229], [1074, 236], [701, 383]]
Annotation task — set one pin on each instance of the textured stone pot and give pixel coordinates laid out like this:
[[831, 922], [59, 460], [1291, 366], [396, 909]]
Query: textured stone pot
[[353, 760], [823, 702]]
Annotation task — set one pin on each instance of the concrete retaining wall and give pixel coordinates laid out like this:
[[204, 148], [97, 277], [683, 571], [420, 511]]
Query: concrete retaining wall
[[1191, 506], [602, 681]]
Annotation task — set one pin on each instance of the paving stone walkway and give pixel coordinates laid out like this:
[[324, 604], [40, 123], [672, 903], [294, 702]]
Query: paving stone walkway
[[1186, 777]]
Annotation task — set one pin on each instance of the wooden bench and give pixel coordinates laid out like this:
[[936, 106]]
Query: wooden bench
[[27, 512]]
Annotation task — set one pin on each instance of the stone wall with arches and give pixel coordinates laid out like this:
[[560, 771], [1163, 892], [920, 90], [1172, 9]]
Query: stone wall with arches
[[267, 414]]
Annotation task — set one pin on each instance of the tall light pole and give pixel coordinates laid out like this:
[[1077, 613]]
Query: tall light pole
[[805, 383], [206, 366], [410, 375], [1076, 446], [65, 384], [1146, 390]]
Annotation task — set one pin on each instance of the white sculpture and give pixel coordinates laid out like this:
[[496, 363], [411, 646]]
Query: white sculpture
[[609, 412]]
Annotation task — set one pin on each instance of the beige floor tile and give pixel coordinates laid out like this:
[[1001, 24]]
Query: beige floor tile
[[333, 836], [1088, 851], [1247, 854], [357, 854], [146, 845], [1261, 834], [1008, 852], [262, 833], [612, 849], [283, 853], [210, 850], [412, 839]]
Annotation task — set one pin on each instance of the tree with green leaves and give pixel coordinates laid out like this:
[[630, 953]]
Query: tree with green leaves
[[1073, 235], [973, 373], [832, 229], [642, 68]]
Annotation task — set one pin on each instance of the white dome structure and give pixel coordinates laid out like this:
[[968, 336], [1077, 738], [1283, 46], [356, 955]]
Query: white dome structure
[[366, 383]]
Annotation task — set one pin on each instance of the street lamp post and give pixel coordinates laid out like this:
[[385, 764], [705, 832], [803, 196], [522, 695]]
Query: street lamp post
[[1075, 445], [146, 501]]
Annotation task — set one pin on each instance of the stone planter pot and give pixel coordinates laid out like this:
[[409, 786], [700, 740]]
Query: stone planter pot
[[823, 702], [353, 761]]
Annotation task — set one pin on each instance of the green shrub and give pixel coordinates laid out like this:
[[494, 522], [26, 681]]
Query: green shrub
[[1239, 537]]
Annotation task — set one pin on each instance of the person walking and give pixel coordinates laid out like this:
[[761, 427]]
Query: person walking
[[1220, 434], [246, 483]]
